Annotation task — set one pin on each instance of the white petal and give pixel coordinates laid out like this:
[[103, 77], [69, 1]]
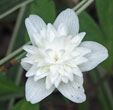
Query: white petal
[[50, 53], [80, 60], [34, 24], [82, 50], [48, 83], [77, 71], [69, 73], [77, 61], [75, 54], [74, 91], [69, 18], [58, 43], [37, 39], [36, 78], [32, 71], [65, 79], [70, 76], [25, 65], [57, 82], [62, 30], [75, 41], [78, 38], [53, 78], [41, 70], [30, 49], [43, 33], [29, 60], [97, 55], [51, 32], [36, 91]]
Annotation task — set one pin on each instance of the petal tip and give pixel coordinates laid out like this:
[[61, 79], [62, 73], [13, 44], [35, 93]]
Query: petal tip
[[84, 33]]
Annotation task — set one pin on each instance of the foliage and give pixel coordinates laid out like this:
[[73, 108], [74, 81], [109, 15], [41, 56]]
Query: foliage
[[101, 30], [24, 105]]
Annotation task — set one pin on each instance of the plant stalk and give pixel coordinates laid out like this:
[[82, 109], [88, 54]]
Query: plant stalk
[[15, 8]]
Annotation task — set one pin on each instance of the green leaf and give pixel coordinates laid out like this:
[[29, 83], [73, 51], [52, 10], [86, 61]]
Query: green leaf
[[6, 5], [84, 106], [45, 9], [3, 105], [99, 94], [9, 90], [105, 14], [105, 88], [24, 105], [88, 25], [10, 95], [7, 86]]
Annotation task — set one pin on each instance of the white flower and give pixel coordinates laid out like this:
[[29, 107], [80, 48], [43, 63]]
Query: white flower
[[57, 57]]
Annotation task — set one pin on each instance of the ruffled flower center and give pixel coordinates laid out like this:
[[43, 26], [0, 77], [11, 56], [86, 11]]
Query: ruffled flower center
[[57, 55]]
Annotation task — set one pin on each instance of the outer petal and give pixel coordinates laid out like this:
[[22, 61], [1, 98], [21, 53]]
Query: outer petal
[[32, 71], [30, 49], [28, 60], [48, 83], [36, 91], [73, 90], [25, 65], [69, 18], [51, 32], [98, 54], [34, 24], [78, 38]]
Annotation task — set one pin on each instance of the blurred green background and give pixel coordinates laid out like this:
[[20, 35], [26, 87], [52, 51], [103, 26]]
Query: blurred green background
[[96, 19]]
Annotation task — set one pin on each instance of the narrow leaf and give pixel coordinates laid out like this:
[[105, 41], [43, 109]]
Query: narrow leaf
[[24, 105], [45, 9], [7, 86], [88, 25], [105, 14]]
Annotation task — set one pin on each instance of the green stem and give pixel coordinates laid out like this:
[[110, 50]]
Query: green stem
[[18, 79], [12, 44], [16, 28], [12, 55], [99, 92], [106, 89], [18, 58], [83, 6], [84, 106], [15, 8], [79, 5]]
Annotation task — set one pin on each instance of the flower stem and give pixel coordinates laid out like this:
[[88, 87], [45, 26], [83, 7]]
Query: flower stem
[[98, 92], [11, 46], [83, 5], [79, 5], [18, 79], [106, 87], [15, 31], [15, 8], [12, 55]]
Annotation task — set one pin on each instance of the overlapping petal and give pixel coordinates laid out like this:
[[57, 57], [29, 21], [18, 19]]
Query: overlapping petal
[[97, 55], [70, 20], [36, 91], [34, 25], [74, 90], [25, 65]]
